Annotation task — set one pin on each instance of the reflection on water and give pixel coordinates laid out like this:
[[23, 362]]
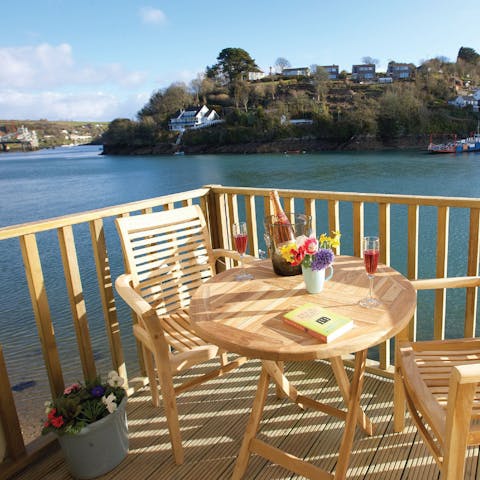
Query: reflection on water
[[38, 185]]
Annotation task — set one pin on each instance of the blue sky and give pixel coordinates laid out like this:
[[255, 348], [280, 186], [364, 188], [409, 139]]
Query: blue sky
[[102, 59]]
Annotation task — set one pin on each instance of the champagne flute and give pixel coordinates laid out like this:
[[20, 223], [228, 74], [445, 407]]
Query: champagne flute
[[241, 238], [371, 252]]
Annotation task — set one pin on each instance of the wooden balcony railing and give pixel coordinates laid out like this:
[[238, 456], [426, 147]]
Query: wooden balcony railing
[[410, 227]]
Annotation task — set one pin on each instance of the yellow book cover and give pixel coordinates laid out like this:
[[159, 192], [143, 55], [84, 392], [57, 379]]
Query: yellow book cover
[[318, 322]]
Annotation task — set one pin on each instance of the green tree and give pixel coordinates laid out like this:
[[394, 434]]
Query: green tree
[[399, 112], [468, 55], [319, 82], [120, 132], [241, 93], [164, 103], [231, 64]]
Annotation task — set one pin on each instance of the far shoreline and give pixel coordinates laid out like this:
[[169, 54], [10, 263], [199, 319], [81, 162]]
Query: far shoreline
[[289, 146]]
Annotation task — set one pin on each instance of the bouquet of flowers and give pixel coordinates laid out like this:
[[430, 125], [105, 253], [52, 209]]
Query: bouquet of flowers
[[81, 405], [311, 252]]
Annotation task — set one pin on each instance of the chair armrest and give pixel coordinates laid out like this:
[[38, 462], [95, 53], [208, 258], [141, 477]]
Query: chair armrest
[[135, 301], [439, 283], [469, 373], [222, 252]]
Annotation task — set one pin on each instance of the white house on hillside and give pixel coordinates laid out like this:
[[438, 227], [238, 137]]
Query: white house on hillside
[[199, 117], [296, 72], [463, 101], [252, 76]]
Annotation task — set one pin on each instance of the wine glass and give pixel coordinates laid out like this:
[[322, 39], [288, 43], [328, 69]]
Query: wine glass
[[241, 238], [371, 252]]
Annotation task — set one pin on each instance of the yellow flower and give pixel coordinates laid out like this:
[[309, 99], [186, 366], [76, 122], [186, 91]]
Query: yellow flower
[[286, 252], [330, 242]]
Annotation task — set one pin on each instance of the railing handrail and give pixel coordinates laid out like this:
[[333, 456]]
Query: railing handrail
[[87, 216], [424, 200]]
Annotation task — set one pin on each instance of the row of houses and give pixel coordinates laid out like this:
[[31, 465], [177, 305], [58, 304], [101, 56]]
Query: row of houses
[[365, 72], [463, 101]]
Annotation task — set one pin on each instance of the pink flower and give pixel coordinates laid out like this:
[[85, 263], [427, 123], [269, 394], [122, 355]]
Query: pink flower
[[72, 388], [310, 245]]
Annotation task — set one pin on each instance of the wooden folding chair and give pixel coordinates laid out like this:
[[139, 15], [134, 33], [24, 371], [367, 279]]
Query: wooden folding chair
[[168, 255], [439, 380]]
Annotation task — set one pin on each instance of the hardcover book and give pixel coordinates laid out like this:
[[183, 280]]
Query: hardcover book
[[318, 322]]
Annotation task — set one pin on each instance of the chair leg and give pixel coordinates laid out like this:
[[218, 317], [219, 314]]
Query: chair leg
[[399, 401], [169, 401], [459, 412], [399, 398], [152, 378]]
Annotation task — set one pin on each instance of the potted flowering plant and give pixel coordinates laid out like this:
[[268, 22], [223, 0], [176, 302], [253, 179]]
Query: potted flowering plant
[[314, 255], [90, 423]]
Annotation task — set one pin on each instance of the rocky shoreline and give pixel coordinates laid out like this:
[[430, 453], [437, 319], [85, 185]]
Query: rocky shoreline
[[294, 145]]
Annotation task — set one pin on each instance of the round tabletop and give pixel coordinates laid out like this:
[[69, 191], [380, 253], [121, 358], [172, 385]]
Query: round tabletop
[[246, 317]]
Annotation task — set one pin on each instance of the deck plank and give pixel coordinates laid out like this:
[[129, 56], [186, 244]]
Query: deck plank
[[213, 419]]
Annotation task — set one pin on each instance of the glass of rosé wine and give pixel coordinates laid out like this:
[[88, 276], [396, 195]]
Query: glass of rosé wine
[[371, 252], [240, 237]]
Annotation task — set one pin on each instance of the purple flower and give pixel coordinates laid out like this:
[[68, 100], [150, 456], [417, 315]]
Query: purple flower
[[322, 259], [97, 391]]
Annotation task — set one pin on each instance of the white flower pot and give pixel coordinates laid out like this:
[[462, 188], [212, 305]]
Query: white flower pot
[[314, 279], [98, 447]]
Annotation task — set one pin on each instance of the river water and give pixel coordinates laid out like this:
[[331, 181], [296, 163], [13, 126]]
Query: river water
[[48, 183]]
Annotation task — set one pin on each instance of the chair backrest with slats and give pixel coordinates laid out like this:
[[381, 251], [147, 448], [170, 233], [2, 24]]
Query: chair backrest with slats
[[168, 254]]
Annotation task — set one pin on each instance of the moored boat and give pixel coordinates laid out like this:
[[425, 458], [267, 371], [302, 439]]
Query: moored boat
[[469, 144]]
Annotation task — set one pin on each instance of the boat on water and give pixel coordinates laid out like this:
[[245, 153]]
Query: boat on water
[[469, 144]]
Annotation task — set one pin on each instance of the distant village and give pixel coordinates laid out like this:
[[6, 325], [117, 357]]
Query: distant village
[[30, 135], [362, 73]]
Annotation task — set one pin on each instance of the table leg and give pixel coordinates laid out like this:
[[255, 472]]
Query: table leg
[[353, 408], [252, 425], [280, 393], [338, 368], [283, 387]]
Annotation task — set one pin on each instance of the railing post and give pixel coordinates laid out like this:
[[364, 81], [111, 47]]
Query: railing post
[[412, 260], [10, 431], [358, 228], [442, 264], [251, 224], [41, 310], [105, 284], [77, 302], [472, 270], [334, 219], [384, 232], [218, 222], [310, 210]]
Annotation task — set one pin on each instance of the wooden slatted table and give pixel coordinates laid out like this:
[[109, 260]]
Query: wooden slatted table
[[246, 318]]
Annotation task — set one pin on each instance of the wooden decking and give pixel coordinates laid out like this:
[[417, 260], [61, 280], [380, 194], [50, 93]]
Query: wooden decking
[[213, 419]]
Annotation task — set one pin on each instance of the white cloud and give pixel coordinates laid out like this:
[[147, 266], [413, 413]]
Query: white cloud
[[47, 66], [152, 16], [92, 106]]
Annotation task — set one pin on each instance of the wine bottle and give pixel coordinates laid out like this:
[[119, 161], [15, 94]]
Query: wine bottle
[[282, 230]]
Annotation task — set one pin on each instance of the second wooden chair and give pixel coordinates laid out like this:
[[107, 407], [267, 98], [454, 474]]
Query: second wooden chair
[[168, 255], [440, 381]]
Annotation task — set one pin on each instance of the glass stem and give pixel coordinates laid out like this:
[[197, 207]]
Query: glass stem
[[370, 277], [240, 261]]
